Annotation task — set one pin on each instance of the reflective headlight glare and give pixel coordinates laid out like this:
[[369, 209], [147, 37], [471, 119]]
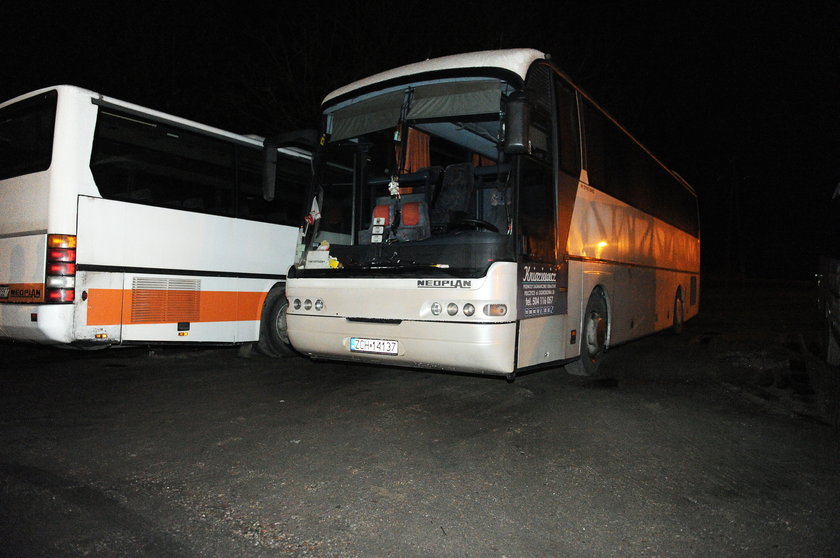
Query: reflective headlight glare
[[495, 309], [319, 305], [436, 308], [469, 309], [451, 308]]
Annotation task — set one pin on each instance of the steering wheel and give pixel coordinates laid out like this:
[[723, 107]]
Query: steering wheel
[[478, 224]]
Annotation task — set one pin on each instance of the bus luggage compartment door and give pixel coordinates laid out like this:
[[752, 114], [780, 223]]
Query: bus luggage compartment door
[[99, 305]]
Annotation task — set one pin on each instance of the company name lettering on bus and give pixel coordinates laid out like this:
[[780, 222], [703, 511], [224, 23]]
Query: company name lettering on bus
[[539, 291], [539, 276], [443, 284], [21, 294], [25, 293]]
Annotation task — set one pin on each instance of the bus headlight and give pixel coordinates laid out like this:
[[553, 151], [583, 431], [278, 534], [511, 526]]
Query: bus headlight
[[495, 309], [296, 304], [319, 305], [436, 308], [307, 304], [451, 308], [469, 309]]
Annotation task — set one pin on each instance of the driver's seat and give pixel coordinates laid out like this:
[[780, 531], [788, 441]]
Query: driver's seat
[[452, 201]]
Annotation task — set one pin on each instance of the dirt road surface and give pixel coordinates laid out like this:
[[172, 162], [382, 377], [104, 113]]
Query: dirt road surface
[[720, 442]]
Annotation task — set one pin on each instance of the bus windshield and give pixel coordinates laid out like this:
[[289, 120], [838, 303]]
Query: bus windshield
[[413, 178]]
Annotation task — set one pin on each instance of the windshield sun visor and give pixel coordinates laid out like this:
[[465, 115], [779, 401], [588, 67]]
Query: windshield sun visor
[[460, 98], [430, 101], [369, 115]]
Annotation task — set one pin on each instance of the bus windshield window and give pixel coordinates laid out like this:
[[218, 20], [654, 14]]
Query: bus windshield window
[[414, 177], [26, 135]]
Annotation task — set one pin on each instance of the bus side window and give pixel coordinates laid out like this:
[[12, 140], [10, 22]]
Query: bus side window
[[568, 140], [536, 212], [595, 139], [536, 207], [26, 135], [538, 90], [145, 162]]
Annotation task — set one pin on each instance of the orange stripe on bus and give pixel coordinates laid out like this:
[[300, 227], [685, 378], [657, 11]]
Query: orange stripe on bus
[[114, 306]]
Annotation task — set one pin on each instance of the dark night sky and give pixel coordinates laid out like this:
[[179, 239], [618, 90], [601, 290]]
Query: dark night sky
[[741, 98]]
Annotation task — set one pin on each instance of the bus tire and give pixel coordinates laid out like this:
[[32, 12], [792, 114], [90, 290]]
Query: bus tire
[[594, 335], [679, 313], [274, 337]]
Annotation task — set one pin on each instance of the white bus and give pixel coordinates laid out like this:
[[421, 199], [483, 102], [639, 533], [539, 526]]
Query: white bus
[[125, 225], [492, 218]]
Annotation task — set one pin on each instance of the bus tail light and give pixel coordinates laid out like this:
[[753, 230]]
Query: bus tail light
[[60, 295], [60, 283], [61, 241], [61, 255], [63, 268]]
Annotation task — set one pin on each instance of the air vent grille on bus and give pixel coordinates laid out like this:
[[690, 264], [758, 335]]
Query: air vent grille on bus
[[165, 300]]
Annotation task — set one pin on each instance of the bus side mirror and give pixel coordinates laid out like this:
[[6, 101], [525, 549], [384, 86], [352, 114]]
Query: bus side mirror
[[305, 139], [517, 124]]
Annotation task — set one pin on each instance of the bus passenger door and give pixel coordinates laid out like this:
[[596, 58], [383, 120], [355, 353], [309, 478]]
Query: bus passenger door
[[548, 182], [543, 280], [99, 307]]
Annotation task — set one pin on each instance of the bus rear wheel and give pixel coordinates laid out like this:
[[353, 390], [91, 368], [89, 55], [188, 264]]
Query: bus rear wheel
[[274, 337], [679, 314]]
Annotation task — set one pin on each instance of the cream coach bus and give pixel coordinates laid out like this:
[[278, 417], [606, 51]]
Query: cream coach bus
[[123, 225], [491, 218]]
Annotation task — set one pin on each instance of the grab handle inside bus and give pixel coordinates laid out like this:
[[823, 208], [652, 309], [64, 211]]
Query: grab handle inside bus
[[517, 124]]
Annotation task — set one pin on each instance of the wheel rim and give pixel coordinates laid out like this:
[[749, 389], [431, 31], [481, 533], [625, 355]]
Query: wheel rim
[[280, 324], [595, 335]]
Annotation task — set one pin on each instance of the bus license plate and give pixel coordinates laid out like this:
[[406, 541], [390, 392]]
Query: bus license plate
[[378, 346]]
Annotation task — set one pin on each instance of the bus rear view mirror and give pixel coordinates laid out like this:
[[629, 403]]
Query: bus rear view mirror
[[517, 124], [305, 139], [269, 174]]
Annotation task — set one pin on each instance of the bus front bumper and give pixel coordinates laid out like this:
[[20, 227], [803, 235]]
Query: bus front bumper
[[486, 348]]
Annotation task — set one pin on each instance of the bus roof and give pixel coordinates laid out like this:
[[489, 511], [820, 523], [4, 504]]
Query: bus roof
[[98, 98], [515, 60]]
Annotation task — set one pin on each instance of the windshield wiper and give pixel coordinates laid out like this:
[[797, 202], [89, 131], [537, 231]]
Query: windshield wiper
[[404, 265]]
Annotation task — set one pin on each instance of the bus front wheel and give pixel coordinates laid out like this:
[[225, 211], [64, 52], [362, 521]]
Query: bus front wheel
[[593, 338], [274, 337]]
